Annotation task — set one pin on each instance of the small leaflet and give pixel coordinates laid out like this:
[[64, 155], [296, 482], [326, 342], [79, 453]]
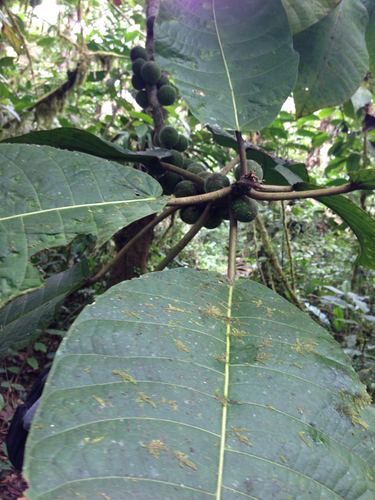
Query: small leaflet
[[154, 447], [184, 460], [142, 397], [125, 376], [180, 345]]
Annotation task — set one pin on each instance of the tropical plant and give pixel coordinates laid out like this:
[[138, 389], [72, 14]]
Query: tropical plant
[[187, 383]]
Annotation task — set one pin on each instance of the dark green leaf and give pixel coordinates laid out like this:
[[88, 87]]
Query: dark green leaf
[[304, 13], [179, 386], [360, 222], [233, 62], [364, 179], [23, 320], [276, 170], [85, 142], [49, 196], [333, 58]]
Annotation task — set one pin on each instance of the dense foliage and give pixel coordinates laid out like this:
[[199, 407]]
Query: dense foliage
[[106, 111]]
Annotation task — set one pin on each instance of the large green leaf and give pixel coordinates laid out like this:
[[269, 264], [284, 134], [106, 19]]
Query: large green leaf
[[142, 402], [359, 221], [333, 58], [233, 61], [49, 196], [85, 142], [364, 179], [22, 321], [304, 13], [278, 171], [370, 30]]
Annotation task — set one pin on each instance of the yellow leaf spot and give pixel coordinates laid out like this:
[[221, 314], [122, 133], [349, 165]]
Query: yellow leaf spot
[[99, 400], [301, 433], [283, 459], [171, 308], [146, 399], [125, 377], [243, 439], [130, 313], [87, 370], [180, 345], [172, 403], [97, 440], [154, 447], [184, 460]]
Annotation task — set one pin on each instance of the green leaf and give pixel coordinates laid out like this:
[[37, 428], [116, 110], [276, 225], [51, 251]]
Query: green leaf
[[360, 98], [74, 139], [370, 39], [176, 385], [362, 225], [23, 320], [277, 171], [49, 196], [333, 58], [364, 179], [304, 13], [233, 62]]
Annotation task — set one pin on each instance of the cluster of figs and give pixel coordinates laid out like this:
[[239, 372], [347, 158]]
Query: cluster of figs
[[147, 71], [243, 208]]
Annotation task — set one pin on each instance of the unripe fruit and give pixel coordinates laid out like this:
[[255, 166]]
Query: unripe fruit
[[150, 72], [164, 80], [251, 165], [214, 182], [142, 99], [168, 182], [190, 214], [138, 83], [178, 159], [182, 144], [168, 137], [244, 209], [213, 221], [195, 168], [137, 52], [137, 66], [185, 188], [166, 95]]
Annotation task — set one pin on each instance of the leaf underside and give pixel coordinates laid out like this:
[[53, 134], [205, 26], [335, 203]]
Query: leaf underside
[[24, 318], [233, 62], [333, 58], [141, 402]]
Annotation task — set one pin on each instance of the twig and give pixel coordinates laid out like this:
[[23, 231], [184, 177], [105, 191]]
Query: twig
[[232, 249], [230, 165], [242, 153], [130, 244], [200, 198], [271, 254], [288, 245], [296, 195], [185, 240], [257, 256], [23, 39]]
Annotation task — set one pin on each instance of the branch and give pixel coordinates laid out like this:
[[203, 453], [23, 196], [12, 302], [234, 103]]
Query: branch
[[296, 195], [130, 244], [200, 198], [185, 240]]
